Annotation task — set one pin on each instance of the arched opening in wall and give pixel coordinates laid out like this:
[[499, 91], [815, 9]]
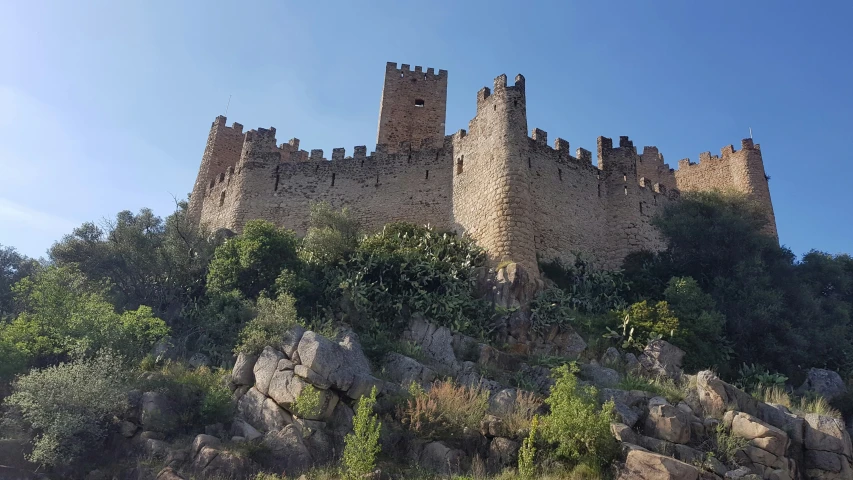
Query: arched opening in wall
[[560, 173], [426, 177], [459, 164], [222, 198], [419, 103], [221, 177], [333, 179]]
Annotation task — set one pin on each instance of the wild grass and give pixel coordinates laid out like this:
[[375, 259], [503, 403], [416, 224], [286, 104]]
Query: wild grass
[[663, 386], [816, 404], [518, 419], [444, 411]]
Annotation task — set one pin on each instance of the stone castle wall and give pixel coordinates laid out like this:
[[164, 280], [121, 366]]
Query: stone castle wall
[[517, 196]]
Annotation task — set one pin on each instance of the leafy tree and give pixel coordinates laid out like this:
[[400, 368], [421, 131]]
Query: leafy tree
[[332, 234], [13, 267], [700, 325], [251, 262], [64, 314], [274, 317]]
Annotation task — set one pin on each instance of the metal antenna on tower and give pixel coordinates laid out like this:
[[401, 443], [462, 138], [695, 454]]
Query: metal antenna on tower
[[229, 106], [750, 133]]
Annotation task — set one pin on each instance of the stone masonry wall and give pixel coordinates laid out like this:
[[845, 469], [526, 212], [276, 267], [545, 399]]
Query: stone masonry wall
[[516, 196]]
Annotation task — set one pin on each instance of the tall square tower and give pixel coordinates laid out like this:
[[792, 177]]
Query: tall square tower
[[413, 107]]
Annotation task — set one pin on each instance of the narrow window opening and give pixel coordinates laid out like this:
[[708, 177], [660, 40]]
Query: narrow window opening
[[426, 177], [221, 177], [599, 189], [625, 178], [459, 164], [362, 163], [515, 103], [641, 208], [277, 178], [529, 163], [401, 74], [425, 76], [560, 173], [409, 159], [212, 182], [495, 108], [656, 199], [626, 190], [419, 103], [222, 199], [333, 179], [316, 168], [377, 179]]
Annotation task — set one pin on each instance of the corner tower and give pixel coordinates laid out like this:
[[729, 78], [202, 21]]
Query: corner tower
[[413, 107]]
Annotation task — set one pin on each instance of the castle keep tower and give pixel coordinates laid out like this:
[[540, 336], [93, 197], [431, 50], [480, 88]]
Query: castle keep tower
[[520, 198], [413, 107]]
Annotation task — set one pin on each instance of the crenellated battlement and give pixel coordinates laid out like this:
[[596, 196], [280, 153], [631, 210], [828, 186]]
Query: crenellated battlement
[[497, 181]]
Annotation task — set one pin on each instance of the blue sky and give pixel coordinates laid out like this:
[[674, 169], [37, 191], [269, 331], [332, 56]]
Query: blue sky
[[105, 106]]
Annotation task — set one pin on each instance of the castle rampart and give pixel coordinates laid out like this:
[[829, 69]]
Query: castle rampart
[[517, 196]]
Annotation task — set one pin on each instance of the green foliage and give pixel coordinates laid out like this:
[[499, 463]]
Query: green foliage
[[307, 404], [200, 396], [13, 268], [143, 259], [551, 307], [406, 268], [251, 262], [816, 404], [723, 446], [215, 324], [274, 318], [527, 453], [68, 406], [362, 444], [576, 427], [700, 325], [332, 236], [642, 323], [587, 289], [755, 378], [63, 314]]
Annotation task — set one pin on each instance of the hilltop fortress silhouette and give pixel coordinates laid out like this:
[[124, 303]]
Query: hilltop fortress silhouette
[[517, 196]]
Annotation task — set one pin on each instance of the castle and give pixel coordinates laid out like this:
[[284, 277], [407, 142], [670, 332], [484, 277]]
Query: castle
[[514, 194]]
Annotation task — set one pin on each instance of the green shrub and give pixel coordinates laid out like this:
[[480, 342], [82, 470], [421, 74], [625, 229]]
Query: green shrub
[[200, 396], [723, 446], [274, 318], [755, 378], [332, 236], [362, 444], [527, 453], [251, 262], [307, 404], [576, 427], [587, 289], [406, 268], [69, 406], [700, 325]]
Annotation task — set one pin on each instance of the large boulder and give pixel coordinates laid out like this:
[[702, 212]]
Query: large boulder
[[243, 371], [404, 370], [761, 435], [667, 422], [158, 413], [340, 364], [827, 434], [288, 451], [265, 367], [600, 376], [436, 343], [503, 452], [262, 412], [640, 464], [662, 358], [212, 463], [438, 457], [825, 383]]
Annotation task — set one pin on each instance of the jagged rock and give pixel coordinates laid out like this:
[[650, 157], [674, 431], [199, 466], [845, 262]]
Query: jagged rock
[[243, 430], [436, 344], [761, 435], [151, 435], [640, 464], [290, 340], [627, 415], [157, 413], [203, 440], [825, 383], [438, 457], [287, 450], [611, 357], [363, 384], [470, 378], [265, 367], [341, 419], [623, 433], [561, 341], [243, 371], [156, 448], [742, 473], [338, 363], [262, 412], [632, 363], [321, 445], [491, 357], [238, 393], [538, 377], [285, 387], [632, 398], [311, 376], [827, 434], [502, 453], [513, 286], [492, 426], [127, 429], [662, 358], [667, 422], [213, 463], [503, 402], [600, 376], [199, 360]]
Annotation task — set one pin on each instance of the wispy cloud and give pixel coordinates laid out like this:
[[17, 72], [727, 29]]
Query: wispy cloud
[[14, 214]]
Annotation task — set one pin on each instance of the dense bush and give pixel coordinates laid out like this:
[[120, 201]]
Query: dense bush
[[577, 428], [332, 235], [251, 262], [405, 269], [199, 394], [69, 406], [13, 268], [587, 289], [273, 318]]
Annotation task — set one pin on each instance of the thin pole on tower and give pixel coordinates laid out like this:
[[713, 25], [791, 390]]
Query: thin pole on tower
[[750, 133], [229, 106]]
